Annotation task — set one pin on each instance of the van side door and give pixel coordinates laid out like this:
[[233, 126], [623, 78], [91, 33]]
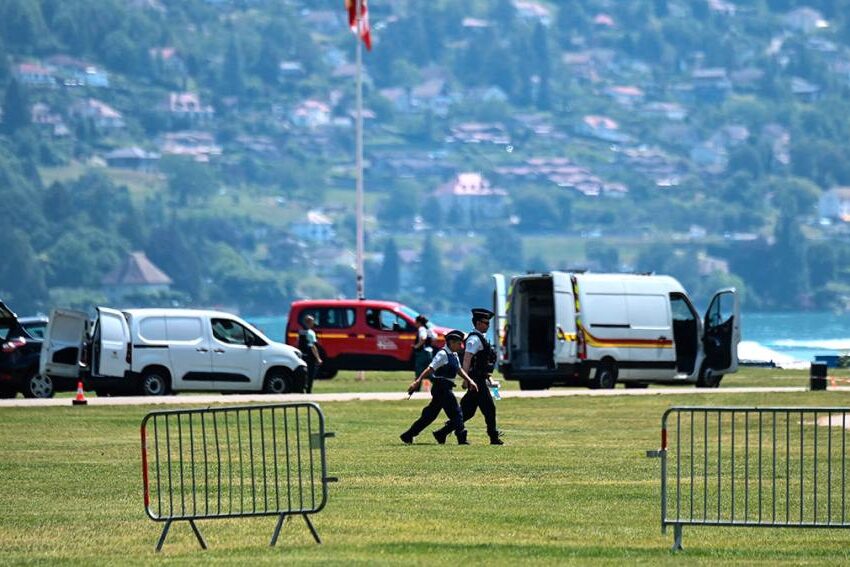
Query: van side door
[[722, 332], [113, 338], [189, 352], [650, 337], [63, 344], [236, 355]]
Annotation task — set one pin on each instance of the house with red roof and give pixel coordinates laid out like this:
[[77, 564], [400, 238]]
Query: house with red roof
[[136, 275]]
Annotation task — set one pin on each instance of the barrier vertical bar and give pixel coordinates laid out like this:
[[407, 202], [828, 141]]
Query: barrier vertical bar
[[217, 460], [815, 463], [719, 459], [298, 449], [180, 454], [760, 453], [734, 472], [168, 451], [263, 450], [251, 453], [829, 472], [802, 460], [773, 468], [276, 481], [843, 462], [288, 476], [206, 465], [192, 456], [692, 464], [747, 466], [787, 467], [705, 468], [156, 450], [678, 465], [310, 447], [241, 464]]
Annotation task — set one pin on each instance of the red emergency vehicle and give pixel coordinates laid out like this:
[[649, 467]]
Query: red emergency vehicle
[[360, 334]]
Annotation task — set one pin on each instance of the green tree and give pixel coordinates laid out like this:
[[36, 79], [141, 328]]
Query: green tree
[[432, 275], [16, 108], [233, 75], [188, 179], [22, 283], [388, 277]]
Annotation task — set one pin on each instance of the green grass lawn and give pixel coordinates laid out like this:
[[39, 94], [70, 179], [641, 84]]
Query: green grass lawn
[[347, 381], [571, 485]]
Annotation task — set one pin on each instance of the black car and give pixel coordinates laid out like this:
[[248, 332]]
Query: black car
[[19, 357]]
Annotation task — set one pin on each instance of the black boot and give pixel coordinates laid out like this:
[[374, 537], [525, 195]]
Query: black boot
[[461, 438], [495, 438], [440, 435], [406, 438]]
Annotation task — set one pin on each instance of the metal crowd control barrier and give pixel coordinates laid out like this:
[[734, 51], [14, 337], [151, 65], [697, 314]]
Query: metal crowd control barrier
[[234, 462], [753, 467]]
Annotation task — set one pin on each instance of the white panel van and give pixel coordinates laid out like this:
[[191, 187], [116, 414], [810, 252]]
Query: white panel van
[[157, 351], [570, 328]]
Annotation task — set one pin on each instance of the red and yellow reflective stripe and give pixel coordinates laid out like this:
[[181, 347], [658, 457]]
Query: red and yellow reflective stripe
[[625, 343]]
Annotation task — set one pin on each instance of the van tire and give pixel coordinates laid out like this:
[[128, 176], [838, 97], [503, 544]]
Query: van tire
[[279, 381], [155, 381], [326, 372], [708, 378], [37, 386], [605, 377]]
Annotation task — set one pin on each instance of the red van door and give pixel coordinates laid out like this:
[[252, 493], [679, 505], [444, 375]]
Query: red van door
[[393, 334]]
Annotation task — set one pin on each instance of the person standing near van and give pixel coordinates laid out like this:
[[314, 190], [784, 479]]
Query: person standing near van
[[308, 344], [423, 350], [479, 360], [444, 368]]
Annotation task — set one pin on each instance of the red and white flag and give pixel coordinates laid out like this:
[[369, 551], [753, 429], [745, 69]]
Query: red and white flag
[[351, 6]]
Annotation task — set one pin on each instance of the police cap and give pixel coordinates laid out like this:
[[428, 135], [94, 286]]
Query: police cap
[[454, 335], [481, 314]]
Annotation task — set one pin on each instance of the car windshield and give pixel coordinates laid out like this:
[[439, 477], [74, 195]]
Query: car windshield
[[5, 327]]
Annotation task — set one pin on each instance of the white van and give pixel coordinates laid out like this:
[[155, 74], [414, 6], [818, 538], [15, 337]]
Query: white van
[[157, 351], [599, 329]]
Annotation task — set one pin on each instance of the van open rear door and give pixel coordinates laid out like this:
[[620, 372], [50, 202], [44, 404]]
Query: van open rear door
[[565, 319], [500, 322], [113, 338], [63, 344], [722, 332]]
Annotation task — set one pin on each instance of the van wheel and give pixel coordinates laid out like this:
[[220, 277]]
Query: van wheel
[[278, 382], [154, 383], [708, 378], [38, 386], [326, 372], [605, 377]]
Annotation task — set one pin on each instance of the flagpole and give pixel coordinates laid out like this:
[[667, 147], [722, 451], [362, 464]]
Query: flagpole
[[361, 287]]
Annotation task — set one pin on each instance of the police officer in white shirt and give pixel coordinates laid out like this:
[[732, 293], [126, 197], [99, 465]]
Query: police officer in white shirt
[[479, 360], [423, 347], [443, 369]]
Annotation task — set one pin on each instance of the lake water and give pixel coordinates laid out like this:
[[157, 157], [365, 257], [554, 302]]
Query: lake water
[[797, 336]]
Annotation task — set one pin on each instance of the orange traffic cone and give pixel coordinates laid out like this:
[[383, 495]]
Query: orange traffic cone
[[80, 399]]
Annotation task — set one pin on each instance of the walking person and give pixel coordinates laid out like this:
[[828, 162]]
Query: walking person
[[444, 368], [423, 350], [308, 344], [479, 360]]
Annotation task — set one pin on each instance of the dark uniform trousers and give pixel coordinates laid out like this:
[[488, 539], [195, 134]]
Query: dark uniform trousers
[[472, 401], [443, 399]]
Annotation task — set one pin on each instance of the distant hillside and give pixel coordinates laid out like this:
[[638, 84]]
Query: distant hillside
[[706, 139]]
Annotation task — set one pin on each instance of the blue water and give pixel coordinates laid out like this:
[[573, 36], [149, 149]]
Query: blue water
[[799, 335]]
